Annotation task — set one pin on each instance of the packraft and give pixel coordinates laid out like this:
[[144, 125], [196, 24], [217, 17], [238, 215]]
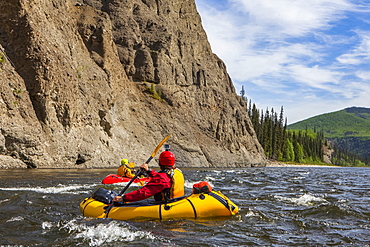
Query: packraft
[[200, 205], [115, 178]]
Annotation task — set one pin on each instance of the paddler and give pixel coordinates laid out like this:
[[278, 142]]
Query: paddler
[[126, 169], [163, 185]]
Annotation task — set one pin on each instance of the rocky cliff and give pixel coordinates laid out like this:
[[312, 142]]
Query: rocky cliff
[[86, 84]]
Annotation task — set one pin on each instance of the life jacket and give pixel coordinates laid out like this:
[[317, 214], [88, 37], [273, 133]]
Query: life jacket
[[178, 182], [177, 185], [125, 172]]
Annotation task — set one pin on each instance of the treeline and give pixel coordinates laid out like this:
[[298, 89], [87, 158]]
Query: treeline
[[282, 144], [301, 146], [341, 157]]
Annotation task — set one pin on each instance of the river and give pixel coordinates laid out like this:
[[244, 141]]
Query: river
[[279, 206]]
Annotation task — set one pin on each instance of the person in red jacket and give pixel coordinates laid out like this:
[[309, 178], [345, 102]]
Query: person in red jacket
[[163, 185]]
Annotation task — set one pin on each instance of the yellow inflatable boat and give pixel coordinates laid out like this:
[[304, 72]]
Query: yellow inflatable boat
[[203, 205]]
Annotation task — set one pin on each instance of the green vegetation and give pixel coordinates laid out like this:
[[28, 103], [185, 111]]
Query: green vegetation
[[2, 58], [17, 91], [156, 93], [350, 122], [346, 158], [346, 132], [79, 70], [282, 144], [349, 132]]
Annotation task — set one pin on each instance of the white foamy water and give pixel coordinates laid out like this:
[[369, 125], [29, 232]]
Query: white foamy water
[[210, 178], [17, 218], [60, 189], [189, 185], [251, 214], [304, 200], [5, 200], [99, 234]]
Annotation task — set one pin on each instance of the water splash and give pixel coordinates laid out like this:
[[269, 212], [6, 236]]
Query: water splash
[[17, 218], [5, 200], [208, 178], [99, 234], [60, 189], [304, 200]]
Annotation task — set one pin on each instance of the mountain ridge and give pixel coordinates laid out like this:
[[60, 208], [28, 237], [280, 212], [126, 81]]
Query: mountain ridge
[[348, 128]]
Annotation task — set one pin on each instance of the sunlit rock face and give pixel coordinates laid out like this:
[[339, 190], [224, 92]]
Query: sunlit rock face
[[84, 85]]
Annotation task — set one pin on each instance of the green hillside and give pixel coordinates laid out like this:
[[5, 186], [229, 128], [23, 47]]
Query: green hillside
[[349, 128]]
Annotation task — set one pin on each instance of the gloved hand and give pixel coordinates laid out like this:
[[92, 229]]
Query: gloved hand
[[143, 170], [144, 167], [118, 200]]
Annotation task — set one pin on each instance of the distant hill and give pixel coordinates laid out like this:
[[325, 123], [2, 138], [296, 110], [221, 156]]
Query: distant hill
[[349, 128]]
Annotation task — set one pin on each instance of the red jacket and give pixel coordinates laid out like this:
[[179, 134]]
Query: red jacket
[[158, 182]]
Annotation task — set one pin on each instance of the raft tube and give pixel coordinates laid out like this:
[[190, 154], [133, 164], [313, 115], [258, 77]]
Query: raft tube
[[212, 204], [115, 178]]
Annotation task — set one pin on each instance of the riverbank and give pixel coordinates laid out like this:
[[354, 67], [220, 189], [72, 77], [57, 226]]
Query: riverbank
[[280, 164]]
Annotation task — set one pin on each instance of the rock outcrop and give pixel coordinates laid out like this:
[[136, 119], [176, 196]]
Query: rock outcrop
[[86, 84]]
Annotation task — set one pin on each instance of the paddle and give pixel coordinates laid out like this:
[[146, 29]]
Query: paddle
[[138, 173]]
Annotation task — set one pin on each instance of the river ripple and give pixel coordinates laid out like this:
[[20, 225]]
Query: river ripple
[[279, 206]]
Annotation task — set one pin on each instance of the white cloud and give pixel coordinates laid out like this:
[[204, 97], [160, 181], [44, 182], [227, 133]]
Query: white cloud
[[364, 75], [293, 53], [293, 18], [359, 92], [360, 54], [254, 44], [314, 76]]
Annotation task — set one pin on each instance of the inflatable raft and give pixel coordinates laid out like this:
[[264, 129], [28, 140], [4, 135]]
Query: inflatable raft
[[204, 205], [115, 178]]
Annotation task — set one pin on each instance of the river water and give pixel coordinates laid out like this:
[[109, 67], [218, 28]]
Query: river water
[[279, 206]]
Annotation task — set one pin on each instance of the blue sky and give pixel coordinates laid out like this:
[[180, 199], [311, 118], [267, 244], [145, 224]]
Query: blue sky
[[309, 56]]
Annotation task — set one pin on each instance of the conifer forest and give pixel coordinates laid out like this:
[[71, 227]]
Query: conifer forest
[[296, 146]]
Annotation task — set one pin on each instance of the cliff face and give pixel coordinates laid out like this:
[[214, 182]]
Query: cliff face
[[75, 79]]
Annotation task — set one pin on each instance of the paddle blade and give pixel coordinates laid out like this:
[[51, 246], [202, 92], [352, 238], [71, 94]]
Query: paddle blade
[[160, 145], [157, 148], [131, 165]]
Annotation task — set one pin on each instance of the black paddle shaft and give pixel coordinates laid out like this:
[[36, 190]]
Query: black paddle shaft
[[138, 173], [123, 191]]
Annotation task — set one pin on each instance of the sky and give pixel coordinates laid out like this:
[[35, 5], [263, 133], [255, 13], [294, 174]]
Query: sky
[[308, 56]]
